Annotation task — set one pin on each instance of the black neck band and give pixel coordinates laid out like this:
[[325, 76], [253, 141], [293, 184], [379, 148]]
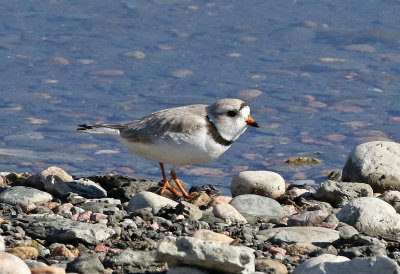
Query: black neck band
[[215, 134]]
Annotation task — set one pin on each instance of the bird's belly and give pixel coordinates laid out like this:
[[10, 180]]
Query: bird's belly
[[174, 154], [178, 150]]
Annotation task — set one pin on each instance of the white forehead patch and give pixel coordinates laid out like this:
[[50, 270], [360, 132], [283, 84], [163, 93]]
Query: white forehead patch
[[245, 111]]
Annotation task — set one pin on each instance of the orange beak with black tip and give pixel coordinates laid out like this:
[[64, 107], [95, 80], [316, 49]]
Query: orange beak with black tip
[[250, 121]]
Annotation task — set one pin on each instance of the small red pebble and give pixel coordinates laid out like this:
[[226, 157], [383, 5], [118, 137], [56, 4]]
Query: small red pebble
[[336, 137], [274, 250], [154, 226], [101, 248], [74, 217], [328, 225], [85, 215], [64, 208], [220, 199], [95, 217], [17, 235], [125, 170], [395, 118], [299, 176], [51, 205]]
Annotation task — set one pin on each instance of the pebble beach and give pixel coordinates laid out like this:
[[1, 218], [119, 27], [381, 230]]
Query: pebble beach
[[52, 222]]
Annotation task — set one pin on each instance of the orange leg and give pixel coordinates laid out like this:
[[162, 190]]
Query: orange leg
[[166, 184], [176, 180]]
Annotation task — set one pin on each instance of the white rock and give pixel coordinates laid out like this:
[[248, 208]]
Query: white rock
[[227, 212], [317, 264], [331, 264], [149, 199], [376, 163], [264, 183], [2, 245], [10, 264], [371, 215], [207, 255]]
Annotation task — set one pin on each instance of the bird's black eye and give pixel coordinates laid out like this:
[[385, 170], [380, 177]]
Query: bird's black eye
[[231, 113]]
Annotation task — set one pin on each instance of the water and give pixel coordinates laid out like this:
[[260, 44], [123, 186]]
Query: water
[[328, 73]]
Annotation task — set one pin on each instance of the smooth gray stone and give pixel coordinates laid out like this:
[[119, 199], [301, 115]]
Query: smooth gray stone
[[301, 234], [54, 228], [86, 263], [340, 193], [346, 231], [83, 187], [208, 255], [255, 207], [24, 195], [131, 257], [146, 199]]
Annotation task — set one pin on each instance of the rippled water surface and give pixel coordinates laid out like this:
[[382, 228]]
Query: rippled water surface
[[320, 77]]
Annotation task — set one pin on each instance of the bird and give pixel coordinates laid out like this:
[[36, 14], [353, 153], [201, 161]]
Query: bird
[[185, 135]]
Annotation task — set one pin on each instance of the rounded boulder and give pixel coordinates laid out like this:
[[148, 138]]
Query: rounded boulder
[[376, 163], [370, 215], [263, 183]]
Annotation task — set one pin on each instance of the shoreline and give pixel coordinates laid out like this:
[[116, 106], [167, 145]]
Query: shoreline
[[113, 223]]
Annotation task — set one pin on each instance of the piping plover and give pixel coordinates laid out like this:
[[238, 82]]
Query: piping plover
[[180, 136]]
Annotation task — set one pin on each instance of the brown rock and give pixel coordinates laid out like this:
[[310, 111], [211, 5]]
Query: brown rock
[[308, 218], [37, 180], [201, 200], [208, 235], [302, 161], [270, 266], [221, 199], [62, 251], [228, 213], [54, 170], [24, 252], [300, 248]]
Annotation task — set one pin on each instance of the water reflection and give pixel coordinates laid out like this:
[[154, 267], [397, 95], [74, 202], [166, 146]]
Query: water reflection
[[325, 73]]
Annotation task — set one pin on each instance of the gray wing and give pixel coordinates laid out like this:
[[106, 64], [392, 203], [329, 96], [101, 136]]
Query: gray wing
[[161, 124]]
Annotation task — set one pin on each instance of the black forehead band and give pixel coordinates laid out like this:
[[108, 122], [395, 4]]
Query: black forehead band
[[242, 106]]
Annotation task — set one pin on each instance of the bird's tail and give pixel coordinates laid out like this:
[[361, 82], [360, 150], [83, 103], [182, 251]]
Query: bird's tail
[[104, 129]]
